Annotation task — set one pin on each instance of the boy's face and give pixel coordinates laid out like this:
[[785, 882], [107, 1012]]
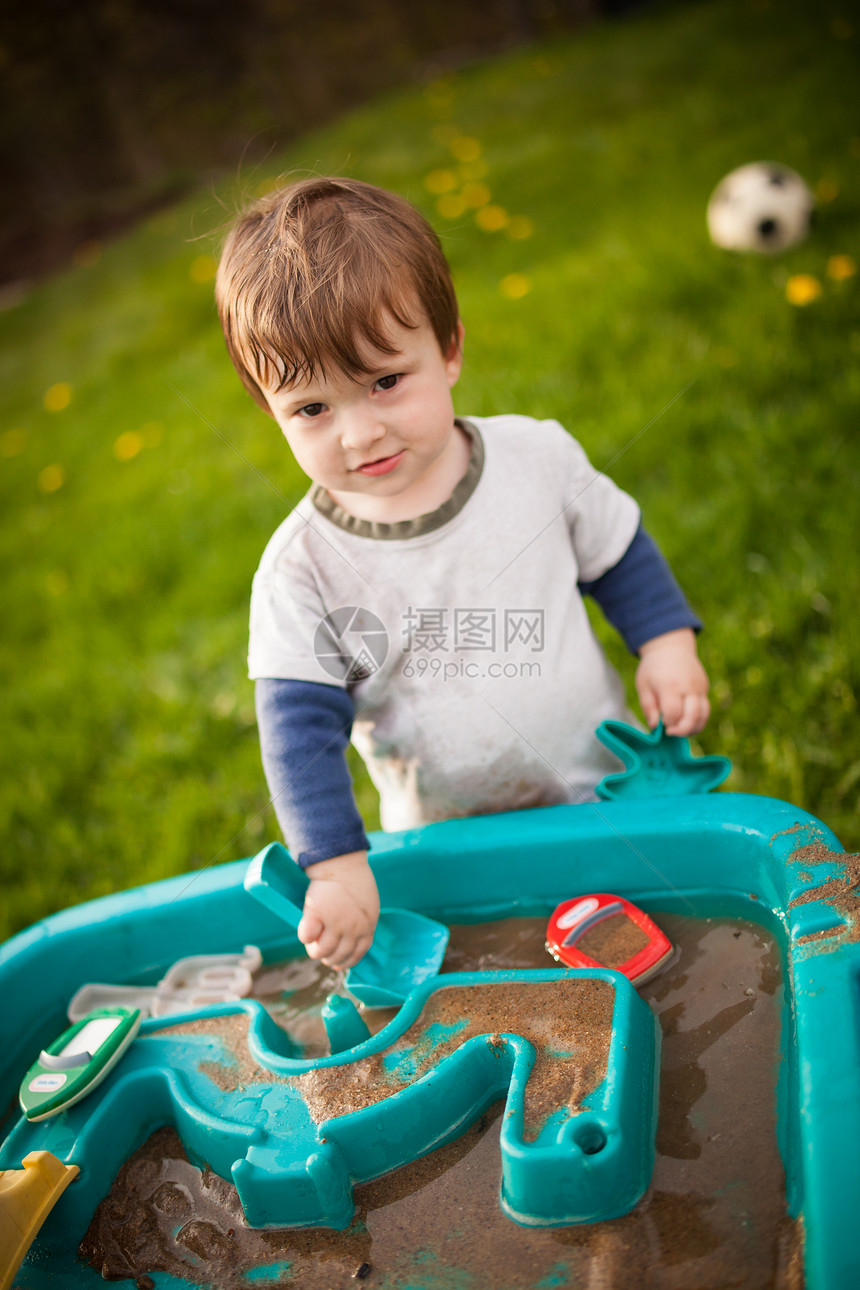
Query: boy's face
[[384, 446]]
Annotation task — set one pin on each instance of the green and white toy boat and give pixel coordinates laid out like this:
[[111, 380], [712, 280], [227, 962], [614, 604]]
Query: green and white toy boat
[[76, 1063]]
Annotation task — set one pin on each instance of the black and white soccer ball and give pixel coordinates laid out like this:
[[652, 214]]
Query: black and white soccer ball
[[763, 206]]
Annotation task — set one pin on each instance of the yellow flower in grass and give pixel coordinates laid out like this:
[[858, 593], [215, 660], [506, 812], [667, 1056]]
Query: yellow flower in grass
[[50, 479], [515, 286], [465, 148], [440, 181], [476, 195], [127, 445], [202, 269], [840, 267], [491, 218], [802, 289], [57, 397]]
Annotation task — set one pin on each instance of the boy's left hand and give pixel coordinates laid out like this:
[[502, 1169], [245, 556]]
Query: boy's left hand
[[672, 683]]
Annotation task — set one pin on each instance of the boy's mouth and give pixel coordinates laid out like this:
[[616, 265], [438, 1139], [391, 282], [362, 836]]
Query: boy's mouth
[[381, 466]]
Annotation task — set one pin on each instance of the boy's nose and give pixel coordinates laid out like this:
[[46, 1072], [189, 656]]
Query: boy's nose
[[360, 428]]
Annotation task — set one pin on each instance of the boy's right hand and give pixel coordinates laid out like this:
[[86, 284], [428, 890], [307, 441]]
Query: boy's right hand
[[341, 910]]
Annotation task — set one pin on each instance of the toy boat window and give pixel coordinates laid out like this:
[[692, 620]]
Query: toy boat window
[[587, 932]]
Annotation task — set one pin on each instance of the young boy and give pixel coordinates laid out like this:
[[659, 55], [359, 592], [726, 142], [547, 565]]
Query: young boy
[[425, 597]]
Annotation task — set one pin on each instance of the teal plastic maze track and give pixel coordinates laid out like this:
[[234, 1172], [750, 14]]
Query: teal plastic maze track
[[290, 1170], [716, 854]]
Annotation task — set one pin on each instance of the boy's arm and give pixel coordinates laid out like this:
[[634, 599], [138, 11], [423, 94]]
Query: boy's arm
[[642, 600], [304, 731], [639, 595]]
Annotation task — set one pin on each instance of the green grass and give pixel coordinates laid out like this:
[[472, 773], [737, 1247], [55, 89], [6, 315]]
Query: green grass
[[129, 748]]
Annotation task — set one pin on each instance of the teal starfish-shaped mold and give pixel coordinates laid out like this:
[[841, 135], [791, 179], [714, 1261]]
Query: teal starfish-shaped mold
[[657, 764]]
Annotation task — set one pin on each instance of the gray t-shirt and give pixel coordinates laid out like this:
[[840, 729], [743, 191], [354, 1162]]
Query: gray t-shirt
[[461, 635]]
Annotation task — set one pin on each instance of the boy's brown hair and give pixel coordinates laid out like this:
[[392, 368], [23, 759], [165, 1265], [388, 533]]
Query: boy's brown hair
[[309, 273]]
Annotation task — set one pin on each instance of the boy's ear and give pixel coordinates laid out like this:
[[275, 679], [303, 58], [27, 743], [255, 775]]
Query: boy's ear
[[454, 357]]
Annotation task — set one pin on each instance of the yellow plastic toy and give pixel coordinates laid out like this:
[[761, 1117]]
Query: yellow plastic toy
[[27, 1196]]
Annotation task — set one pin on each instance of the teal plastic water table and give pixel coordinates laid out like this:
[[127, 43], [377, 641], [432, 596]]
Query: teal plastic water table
[[722, 854]]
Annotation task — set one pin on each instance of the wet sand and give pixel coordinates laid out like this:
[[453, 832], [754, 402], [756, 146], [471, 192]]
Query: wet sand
[[713, 1218]]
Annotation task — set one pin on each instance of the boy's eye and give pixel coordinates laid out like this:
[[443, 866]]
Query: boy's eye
[[388, 382], [311, 409]]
